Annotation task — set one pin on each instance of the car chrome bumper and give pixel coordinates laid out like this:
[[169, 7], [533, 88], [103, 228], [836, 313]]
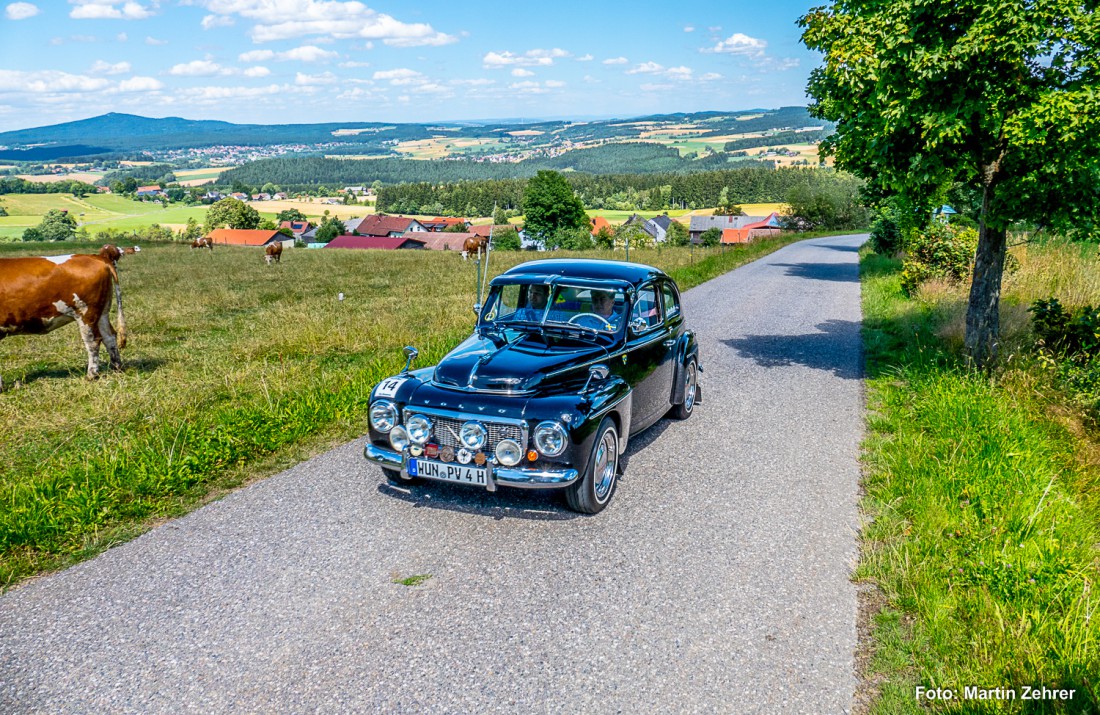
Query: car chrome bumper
[[508, 476]]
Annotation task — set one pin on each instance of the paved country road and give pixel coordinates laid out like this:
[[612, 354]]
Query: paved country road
[[716, 582]]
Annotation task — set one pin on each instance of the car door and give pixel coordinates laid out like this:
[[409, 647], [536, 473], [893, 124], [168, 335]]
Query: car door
[[648, 357]]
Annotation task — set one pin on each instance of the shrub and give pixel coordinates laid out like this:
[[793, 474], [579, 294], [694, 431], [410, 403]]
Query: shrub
[[1074, 335], [886, 238], [939, 251]]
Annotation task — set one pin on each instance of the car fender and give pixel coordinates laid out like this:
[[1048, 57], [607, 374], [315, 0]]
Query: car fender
[[686, 348]]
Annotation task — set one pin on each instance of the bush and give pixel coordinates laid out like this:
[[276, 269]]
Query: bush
[[939, 251], [1074, 335], [886, 238]]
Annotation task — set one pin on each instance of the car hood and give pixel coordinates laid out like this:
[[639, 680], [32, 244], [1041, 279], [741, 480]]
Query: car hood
[[526, 364]]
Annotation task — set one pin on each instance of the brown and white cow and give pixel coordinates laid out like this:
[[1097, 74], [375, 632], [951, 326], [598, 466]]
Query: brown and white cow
[[38, 295], [131, 250], [110, 252], [474, 245], [273, 252], [202, 242]]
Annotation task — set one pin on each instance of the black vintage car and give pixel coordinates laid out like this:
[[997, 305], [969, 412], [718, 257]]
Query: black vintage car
[[569, 359]]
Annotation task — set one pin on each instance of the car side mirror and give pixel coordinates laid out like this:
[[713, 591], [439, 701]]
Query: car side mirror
[[596, 372], [477, 308], [410, 355], [638, 325]]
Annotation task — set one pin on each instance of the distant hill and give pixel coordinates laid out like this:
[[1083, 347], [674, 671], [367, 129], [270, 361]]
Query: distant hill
[[127, 133]]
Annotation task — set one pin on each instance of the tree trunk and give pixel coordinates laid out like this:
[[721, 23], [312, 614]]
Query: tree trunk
[[983, 317]]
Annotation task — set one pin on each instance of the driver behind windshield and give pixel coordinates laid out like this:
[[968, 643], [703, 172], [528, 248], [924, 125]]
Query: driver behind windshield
[[602, 315], [537, 295]]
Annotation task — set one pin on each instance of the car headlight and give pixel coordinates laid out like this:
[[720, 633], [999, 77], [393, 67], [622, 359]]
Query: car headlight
[[473, 435], [399, 438], [419, 428], [550, 438], [383, 416], [508, 452]]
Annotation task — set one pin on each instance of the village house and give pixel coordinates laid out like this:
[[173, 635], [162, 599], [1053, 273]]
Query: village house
[[441, 223], [248, 237], [735, 229], [445, 240], [149, 191], [298, 228], [388, 243], [384, 225]]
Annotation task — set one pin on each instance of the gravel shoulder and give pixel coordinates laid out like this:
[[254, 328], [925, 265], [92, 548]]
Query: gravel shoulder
[[717, 580]]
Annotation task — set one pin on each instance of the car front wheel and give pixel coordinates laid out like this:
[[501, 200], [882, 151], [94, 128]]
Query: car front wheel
[[394, 476], [592, 492]]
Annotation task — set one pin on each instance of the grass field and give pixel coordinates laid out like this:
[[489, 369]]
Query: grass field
[[234, 370], [982, 500], [93, 212]]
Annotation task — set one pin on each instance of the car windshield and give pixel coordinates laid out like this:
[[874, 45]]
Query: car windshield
[[599, 309]]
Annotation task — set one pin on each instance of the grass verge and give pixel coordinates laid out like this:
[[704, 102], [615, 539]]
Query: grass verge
[[234, 369], [983, 528]]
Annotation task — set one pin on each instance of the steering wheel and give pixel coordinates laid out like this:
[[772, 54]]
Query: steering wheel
[[605, 321]]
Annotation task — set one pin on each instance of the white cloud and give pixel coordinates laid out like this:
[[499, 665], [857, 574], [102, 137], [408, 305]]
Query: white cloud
[[289, 19], [529, 87], [20, 10], [553, 83], [213, 95], [520, 72], [680, 73], [307, 53], [108, 10], [256, 56], [689, 28], [531, 58], [709, 76], [740, 44], [257, 71], [49, 82], [401, 76], [121, 37], [101, 67], [140, 84], [585, 58], [480, 82], [304, 80], [197, 68], [155, 42], [616, 61], [360, 94], [352, 64], [646, 68], [211, 21]]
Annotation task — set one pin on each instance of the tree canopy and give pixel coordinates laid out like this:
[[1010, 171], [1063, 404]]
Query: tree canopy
[[232, 213], [1000, 97], [549, 206]]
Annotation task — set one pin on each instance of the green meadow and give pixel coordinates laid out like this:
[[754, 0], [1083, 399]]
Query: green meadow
[[95, 213]]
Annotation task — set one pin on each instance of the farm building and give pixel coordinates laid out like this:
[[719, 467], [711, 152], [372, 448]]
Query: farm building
[[735, 229], [387, 243], [445, 241], [383, 225], [439, 223], [248, 237], [597, 223]]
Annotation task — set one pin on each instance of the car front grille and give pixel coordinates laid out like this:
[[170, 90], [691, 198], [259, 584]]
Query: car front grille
[[446, 431]]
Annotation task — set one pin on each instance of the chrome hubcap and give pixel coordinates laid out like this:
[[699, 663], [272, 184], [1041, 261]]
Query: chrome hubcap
[[689, 390], [607, 459]]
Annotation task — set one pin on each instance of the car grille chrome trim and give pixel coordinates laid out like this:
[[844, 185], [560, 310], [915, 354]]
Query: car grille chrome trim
[[446, 425]]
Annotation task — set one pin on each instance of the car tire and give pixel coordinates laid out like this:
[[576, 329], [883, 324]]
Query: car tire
[[394, 476], [592, 492], [691, 390]]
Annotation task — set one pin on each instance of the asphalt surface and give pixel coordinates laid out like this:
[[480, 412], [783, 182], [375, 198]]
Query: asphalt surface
[[717, 581]]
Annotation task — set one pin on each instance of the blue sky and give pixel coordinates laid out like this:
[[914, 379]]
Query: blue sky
[[291, 61]]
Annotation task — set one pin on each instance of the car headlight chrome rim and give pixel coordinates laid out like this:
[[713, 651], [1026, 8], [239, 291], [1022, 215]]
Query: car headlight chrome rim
[[509, 452], [473, 435], [399, 438], [551, 438], [383, 416], [419, 428]]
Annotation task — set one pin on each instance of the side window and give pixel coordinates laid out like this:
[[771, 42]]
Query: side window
[[646, 307], [672, 301]]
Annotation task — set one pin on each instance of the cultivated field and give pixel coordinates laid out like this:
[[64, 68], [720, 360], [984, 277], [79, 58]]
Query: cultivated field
[[88, 177], [92, 212], [198, 177], [234, 369]]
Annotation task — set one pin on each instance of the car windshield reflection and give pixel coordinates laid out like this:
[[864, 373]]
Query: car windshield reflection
[[598, 309]]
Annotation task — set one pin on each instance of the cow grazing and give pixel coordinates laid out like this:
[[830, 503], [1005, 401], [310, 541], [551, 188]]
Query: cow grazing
[[38, 295], [111, 253], [273, 252], [474, 244], [130, 250], [202, 242]]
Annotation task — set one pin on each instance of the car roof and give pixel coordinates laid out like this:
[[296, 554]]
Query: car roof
[[590, 268]]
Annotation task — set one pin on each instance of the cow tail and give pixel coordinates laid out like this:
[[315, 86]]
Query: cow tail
[[118, 302]]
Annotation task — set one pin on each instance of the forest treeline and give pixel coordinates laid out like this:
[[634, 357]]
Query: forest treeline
[[607, 159], [651, 192]]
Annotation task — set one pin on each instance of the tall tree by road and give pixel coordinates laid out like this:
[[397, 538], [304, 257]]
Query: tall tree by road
[[549, 206], [1003, 97]]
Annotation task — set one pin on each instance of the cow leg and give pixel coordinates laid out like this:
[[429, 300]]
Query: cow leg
[[108, 334], [86, 334]]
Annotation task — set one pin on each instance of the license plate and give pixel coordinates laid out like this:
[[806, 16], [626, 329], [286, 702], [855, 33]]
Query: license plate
[[447, 472]]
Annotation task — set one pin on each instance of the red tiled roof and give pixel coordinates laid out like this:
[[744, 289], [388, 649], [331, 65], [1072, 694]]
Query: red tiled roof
[[746, 232], [296, 226], [597, 223], [483, 229], [245, 236], [382, 225], [445, 241], [383, 242]]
